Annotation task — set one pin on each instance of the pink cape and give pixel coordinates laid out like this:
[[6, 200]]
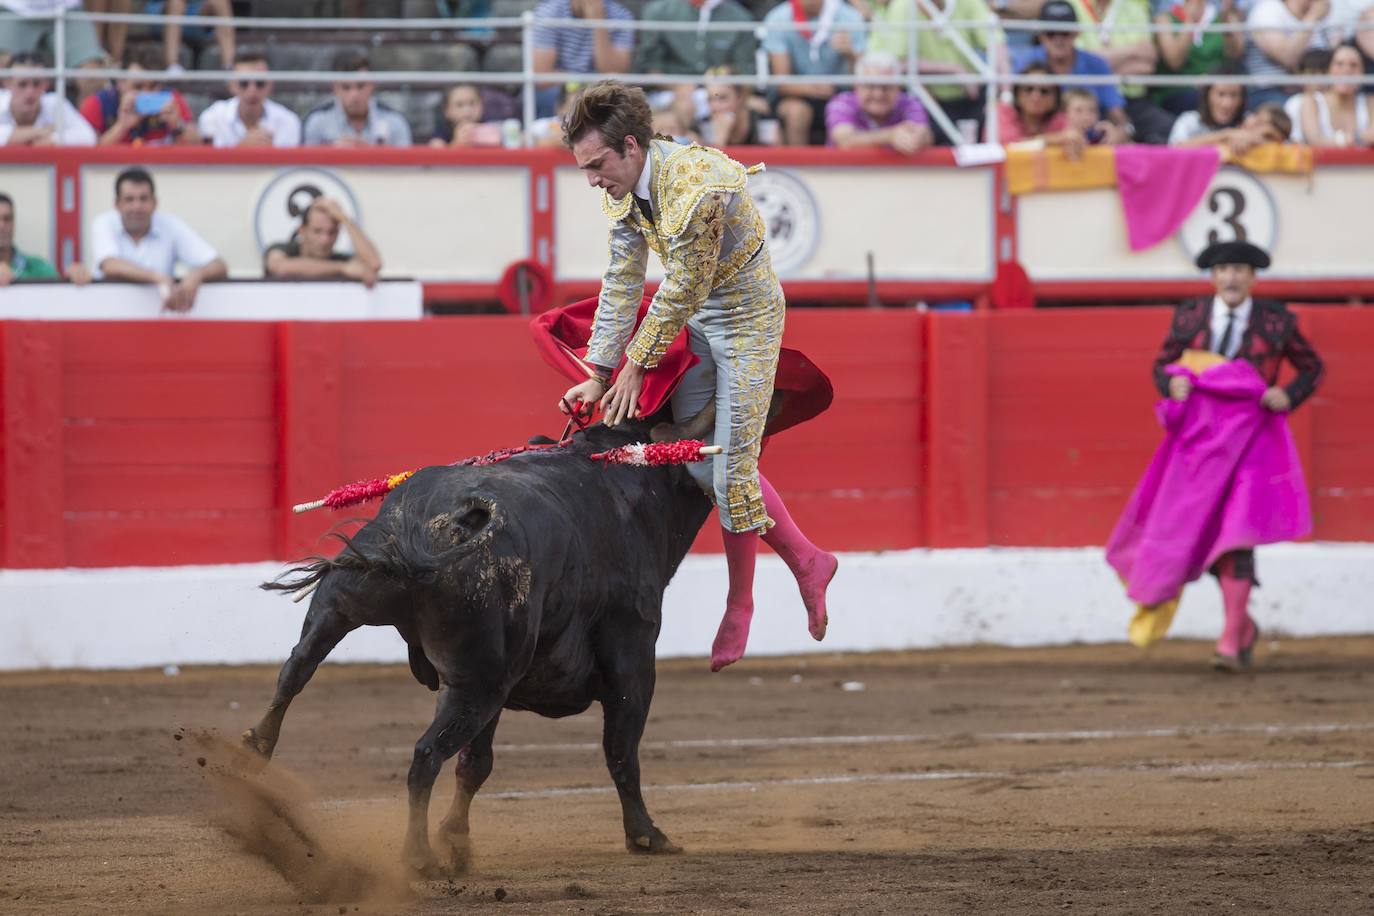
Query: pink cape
[[1226, 477], [1160, 186]]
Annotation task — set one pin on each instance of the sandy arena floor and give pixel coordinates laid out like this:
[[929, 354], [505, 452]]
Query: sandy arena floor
[[1082, 779]]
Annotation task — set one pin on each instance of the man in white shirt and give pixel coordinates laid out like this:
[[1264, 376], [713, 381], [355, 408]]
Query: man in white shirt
[[137, 244], [250, 118], [29, 114]]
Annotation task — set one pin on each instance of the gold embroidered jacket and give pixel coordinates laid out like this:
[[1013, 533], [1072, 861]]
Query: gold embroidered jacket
[[705, 231]]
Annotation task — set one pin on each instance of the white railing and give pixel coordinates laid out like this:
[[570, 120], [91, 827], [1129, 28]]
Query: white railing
[[986, 71]]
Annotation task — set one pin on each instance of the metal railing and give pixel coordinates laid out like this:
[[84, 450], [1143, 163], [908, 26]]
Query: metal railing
[[986, 70]]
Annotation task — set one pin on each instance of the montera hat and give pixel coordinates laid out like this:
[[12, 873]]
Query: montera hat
[[1233, 253]]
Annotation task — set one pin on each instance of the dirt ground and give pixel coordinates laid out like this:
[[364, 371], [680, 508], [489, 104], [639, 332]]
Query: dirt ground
[[1079, 779]]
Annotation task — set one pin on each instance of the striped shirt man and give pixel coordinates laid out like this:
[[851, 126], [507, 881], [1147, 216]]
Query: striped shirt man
[[574, 47]]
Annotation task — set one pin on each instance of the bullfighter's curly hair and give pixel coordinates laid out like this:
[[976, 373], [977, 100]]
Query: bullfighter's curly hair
[[613, 109]]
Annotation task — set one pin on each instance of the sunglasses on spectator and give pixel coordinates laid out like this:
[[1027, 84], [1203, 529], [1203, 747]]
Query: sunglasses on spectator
[[256, 84], [1057, 34], [1037, 90]]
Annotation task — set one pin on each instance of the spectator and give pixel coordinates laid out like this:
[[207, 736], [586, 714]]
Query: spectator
[[250, 118], [310, 254], [136, 244], [936, 51], [1270, 122], [112, 36], [29, 112], [877, 114], [1340, 114], [171, 32], [1193, 52], [732, 120], [463, 112], [1036, 115], [1314, 63], [140, 111], [1123, 39], [1058, 53], [354, 117], [575, 50], [692, 53], [19, 35], [1280, 31], [1083, 115], [548, 132], [829, 46], [1218, 119], [16, 266]]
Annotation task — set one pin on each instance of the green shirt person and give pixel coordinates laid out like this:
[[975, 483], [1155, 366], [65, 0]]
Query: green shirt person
[[936, 53], [16, 266]]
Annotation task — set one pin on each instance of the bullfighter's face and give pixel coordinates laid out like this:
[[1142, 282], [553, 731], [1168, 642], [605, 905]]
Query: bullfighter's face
[[607, 169], [1233, 282]]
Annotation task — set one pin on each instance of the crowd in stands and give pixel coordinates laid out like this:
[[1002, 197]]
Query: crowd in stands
[[1286, 43]]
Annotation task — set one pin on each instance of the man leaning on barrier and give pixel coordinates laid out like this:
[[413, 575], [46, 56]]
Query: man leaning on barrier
[[17, 266], [137, 244], [310, 254]]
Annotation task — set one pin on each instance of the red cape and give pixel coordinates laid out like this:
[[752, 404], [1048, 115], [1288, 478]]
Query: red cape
[[561, 337]]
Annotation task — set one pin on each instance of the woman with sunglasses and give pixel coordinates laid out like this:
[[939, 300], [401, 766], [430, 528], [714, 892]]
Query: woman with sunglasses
[[1036, 114]]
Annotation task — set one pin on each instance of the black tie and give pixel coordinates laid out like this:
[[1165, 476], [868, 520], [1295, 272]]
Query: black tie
[[1226, 334], [644, 208]]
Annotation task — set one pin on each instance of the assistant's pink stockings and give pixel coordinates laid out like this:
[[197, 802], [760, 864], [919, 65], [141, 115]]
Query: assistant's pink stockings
[[812, 567], [1238, 630]]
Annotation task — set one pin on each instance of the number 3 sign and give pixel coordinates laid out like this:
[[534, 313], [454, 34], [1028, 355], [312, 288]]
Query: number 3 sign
[[1236, 208]]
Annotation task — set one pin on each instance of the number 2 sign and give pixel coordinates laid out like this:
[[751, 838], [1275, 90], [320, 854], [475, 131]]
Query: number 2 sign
[[1236, 208]]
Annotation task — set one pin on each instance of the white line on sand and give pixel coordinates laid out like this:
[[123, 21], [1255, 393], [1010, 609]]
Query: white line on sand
[[1166, 731], [751, 785]]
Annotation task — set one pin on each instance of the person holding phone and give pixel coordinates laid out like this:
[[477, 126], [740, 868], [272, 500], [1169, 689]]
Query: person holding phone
[[139, 111]]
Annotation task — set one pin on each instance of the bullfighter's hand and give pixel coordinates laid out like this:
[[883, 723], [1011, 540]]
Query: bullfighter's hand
[[583, 397], [1179, 387], [1276, 399], [622, 401]]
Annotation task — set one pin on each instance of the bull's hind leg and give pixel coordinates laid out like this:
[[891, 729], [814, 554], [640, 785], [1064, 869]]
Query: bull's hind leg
[[628, 665], [324, 627], [474, 766], [463, 713]]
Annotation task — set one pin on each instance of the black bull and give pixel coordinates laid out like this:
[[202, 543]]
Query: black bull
[[535, 583]]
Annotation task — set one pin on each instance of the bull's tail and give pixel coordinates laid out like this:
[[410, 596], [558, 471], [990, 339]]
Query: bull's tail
[[312, 570]]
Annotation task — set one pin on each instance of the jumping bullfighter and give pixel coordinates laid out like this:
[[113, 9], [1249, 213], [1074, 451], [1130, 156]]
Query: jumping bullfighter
[[692, 207]]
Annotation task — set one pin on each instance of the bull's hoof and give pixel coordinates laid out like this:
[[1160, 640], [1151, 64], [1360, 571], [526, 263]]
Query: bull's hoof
[[422, 864], [260, 747], [651, 842], [457, 848]]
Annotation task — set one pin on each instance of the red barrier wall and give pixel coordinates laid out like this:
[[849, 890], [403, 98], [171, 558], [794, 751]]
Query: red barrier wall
[[146, 443]]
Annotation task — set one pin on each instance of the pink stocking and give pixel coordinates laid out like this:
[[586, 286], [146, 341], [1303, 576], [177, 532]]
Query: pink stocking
[[812, 567], [741, 550], [1238, 630]]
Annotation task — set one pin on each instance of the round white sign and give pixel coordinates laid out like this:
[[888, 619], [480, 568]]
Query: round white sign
[[1236, 208], [277, 214], [792, 217]]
